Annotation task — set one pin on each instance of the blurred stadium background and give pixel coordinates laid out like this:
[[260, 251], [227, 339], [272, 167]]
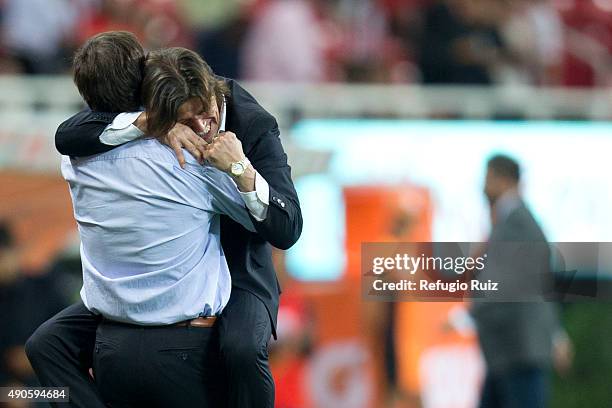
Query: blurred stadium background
[[389, 110]]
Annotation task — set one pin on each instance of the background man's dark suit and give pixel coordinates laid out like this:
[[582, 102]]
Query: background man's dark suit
[[516, 338], [245, 327]]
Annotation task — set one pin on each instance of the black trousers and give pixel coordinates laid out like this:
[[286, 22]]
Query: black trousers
[[141, 367], [245, 330], [61, 351], [521, 387]]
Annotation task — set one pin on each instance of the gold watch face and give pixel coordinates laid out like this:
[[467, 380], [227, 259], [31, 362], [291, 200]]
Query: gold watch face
[[237, 169]]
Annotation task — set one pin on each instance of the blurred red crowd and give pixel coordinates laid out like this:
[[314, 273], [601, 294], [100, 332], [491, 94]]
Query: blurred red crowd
[[479, 42]]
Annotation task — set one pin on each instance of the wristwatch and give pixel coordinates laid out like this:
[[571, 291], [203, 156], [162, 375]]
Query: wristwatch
[[238, 168]]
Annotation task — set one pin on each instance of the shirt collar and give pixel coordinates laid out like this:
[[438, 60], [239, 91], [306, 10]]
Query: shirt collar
[[223, 114]]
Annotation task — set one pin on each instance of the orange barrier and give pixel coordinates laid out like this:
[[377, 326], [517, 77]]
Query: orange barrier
[[40, 211]]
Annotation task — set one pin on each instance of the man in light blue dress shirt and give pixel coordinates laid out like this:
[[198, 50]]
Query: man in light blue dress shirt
[[151, 255], [154, 268]]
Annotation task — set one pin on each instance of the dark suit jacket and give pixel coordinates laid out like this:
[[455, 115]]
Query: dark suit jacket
[[520, 333], [248, 254]]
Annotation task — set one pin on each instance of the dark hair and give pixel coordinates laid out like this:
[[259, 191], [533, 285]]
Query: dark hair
[[6, 236], [108, 71], [172, 77], [505, 166]]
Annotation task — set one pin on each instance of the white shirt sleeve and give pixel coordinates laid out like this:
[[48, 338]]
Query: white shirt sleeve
[[258, 201], [121, 130]]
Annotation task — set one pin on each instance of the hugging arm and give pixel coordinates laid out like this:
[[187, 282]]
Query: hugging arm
[[283, 224], [89, 132], [80, 134]]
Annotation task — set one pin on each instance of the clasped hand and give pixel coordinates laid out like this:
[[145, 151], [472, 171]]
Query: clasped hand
[[224, 150]]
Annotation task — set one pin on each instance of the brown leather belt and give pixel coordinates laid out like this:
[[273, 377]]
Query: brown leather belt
[[208, 321]]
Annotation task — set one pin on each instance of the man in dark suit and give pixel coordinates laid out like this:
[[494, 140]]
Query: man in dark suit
[[60, 349], [517, 336]]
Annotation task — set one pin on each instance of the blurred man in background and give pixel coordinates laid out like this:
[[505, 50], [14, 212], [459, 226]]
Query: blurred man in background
[[520, 340]]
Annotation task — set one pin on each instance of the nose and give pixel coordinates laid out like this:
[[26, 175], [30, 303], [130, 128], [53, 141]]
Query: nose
[[197, 124]]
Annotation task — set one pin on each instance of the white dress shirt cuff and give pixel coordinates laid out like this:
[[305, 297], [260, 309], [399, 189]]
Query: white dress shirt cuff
[[257, 201], [121, 130]]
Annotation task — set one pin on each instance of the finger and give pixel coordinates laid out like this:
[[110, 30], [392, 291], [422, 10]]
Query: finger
[[210, 154], [187, 134], [178, 151], [205, 155], [202, 147]]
